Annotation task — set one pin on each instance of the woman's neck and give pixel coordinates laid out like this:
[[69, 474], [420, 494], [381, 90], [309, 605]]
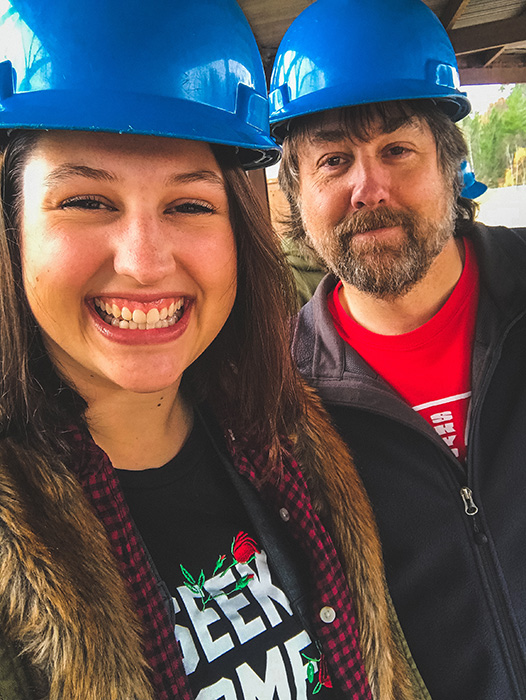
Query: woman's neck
[[140, 431]]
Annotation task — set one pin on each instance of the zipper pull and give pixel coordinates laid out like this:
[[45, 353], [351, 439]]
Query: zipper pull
[[469, 504]]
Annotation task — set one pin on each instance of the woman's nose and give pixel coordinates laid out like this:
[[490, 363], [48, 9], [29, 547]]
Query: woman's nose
[[144, 251]]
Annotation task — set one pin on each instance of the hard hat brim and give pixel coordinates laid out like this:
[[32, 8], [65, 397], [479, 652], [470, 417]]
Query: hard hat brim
[[475, 190], [138, 114], [453, 102]]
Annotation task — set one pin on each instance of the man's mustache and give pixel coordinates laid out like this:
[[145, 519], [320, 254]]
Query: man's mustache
[[371, 219]]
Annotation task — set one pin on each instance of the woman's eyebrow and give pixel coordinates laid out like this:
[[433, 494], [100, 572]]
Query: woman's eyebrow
[[196, 176], [68, 170]]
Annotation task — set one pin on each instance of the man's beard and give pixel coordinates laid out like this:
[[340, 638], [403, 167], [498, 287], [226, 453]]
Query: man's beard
[[384, 268]]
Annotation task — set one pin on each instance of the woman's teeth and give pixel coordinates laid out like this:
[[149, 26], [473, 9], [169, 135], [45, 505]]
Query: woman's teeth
[[124, 317]]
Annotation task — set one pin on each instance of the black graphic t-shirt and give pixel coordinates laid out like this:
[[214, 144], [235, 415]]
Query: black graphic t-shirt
[[238, 634]]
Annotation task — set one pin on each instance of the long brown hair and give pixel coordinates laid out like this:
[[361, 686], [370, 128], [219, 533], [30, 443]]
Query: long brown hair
[[256, 387], [246, 374]]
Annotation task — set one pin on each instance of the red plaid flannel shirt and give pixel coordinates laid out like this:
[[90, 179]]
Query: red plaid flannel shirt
[[339, 638]]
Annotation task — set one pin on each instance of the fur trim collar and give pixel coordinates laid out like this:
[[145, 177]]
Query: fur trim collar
[[61, 596]]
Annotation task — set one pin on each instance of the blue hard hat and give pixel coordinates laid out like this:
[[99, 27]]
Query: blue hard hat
[[339, 53], [472, 187], [189, 70]]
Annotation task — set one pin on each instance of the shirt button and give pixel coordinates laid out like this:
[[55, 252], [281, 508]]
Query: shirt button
[[284, 514], [327, 614]]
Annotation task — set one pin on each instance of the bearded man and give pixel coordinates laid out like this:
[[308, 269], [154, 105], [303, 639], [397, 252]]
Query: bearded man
[[416, 340]]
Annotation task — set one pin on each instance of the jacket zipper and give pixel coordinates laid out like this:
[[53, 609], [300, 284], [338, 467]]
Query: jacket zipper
[[512, 645], [470, 507], [481, 540]]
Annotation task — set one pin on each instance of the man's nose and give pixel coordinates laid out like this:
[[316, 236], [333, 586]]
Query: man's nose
[[370, 183], [143, 250]]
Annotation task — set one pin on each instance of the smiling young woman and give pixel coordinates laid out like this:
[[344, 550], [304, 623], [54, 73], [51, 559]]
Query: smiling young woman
[[131, 225], [151, 419]]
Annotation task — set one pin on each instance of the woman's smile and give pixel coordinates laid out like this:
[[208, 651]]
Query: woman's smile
[[131, 322], [134, 315]]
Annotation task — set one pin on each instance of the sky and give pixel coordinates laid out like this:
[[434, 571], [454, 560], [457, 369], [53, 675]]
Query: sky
[[482, 96]]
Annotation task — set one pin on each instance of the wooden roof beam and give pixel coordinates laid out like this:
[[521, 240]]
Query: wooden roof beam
[[491, 35], [493, 55], [452, 12], [496, 73]]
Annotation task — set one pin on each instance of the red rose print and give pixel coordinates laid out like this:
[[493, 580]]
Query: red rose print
[[323, 671], [243, 548]]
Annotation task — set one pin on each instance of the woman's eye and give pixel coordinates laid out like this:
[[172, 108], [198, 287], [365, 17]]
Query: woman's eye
[[193, 208], [86, 202]]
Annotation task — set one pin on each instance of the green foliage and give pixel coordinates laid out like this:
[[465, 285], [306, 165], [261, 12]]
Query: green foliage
[[495, 138]]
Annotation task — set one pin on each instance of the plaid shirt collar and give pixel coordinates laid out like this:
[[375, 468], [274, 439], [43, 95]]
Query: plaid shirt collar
[[285, 492], [102, 489]]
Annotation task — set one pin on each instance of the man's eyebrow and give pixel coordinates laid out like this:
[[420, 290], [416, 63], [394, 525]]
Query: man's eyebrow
[[68, 170], [327, 135], [197, 176]]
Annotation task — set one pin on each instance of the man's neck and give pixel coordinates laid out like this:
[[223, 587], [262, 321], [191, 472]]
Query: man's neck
[[397, 315]]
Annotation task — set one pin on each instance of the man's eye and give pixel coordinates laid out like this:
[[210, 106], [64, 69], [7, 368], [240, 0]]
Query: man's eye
[[193, 208], [333, 161], [398, 150], [86, 202]]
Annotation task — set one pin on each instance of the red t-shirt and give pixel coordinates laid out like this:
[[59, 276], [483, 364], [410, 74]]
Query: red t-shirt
[[430, 367]]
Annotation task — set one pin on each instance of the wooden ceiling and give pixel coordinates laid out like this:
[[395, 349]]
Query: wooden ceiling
[[489, 36]]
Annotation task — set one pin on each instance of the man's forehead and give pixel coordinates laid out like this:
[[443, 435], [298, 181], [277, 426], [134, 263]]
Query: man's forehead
[[337, 125]]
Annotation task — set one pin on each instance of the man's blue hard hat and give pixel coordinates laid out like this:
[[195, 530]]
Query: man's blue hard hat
[[339, 53], [190, 70]]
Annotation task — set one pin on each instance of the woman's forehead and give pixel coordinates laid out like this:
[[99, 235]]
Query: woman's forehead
[[93, 142]]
